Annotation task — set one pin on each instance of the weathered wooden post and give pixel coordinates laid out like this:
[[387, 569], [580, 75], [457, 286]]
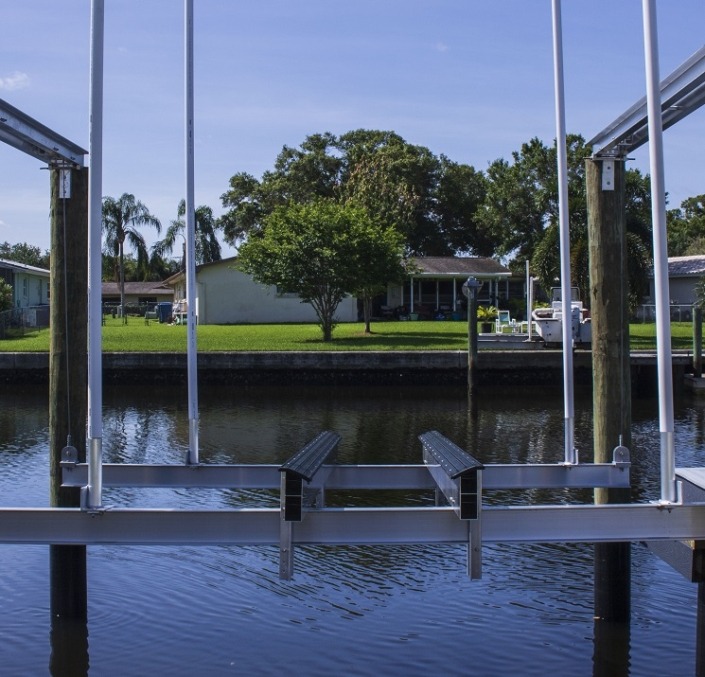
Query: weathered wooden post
[[68, 372], [697, 341], [470, 288], [610, 364]]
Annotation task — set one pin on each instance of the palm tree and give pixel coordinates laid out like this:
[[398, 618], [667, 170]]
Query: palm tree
[[207, 245], [121, 220]]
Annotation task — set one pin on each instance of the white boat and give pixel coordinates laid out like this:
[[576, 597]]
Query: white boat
[[549, 321]]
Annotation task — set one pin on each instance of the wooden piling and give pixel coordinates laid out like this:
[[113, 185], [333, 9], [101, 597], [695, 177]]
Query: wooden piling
[[68, 374], [609, 310], [697, 341], [472, 343]]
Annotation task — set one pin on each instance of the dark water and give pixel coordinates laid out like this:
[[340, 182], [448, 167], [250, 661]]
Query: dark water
[[402, 610]]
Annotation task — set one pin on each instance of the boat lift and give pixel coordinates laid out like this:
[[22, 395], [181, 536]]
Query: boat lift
[[457, 479]]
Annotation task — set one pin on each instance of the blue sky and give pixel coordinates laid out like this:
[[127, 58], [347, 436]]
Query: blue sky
[[472, 79]]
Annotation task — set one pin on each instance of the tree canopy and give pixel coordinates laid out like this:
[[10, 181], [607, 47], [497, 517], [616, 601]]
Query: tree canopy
[[322, 250], [686, 228], [521, 214], [207, 245], [122, 219], [24, 253], [431, 201]]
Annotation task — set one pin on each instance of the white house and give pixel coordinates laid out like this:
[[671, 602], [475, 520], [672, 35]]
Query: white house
[[226, 295], [30, 285]]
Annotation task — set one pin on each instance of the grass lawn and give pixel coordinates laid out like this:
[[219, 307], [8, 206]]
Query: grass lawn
[[136, 336]]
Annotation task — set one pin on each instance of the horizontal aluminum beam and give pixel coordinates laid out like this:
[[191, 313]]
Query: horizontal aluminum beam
[[351, 526], [682, 92], [253, 476], [26, 134]]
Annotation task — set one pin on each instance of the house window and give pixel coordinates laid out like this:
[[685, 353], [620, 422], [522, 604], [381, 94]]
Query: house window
[[25, 287]]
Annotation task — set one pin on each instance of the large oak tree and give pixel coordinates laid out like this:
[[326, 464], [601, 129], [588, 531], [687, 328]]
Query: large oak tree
[[431, 201]]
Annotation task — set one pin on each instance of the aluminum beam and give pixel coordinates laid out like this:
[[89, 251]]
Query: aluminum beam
[[682, 92], [253, 476], [26, 134], [353, 526]]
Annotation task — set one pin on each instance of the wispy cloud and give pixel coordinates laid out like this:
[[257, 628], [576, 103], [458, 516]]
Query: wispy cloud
[[16, 80], [442, 47]]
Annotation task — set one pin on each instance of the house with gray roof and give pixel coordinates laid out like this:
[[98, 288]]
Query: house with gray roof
[[684, 272], [435, 283], [136, 293], [227, 295]]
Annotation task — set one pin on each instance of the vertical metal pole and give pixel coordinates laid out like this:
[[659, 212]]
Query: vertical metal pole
[[531, 305], [658, 215], [563, 214], [95, 189], [191, 353]]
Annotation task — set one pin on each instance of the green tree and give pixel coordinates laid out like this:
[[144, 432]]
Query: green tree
[[431, 201], [521, 212], [686, 227], [522, 197], [122, 219], [321, 250], [24, 253], [5, 296], [207, 245], [378, 253]]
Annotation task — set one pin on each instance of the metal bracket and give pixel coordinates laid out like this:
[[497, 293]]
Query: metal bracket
[[458, 477], [304, 465], [607, 175]]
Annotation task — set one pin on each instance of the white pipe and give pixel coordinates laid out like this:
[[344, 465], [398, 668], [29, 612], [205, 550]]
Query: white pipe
[[658, 216], [530, 328], [95, 222], [191, 352], [563, 220]]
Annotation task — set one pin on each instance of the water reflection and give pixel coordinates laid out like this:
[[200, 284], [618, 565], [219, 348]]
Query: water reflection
[[408, 606]]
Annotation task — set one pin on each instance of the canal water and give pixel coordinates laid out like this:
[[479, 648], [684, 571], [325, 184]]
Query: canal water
[[402, 610]]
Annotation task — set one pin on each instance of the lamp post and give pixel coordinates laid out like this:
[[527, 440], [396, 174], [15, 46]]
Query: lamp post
[[470, 288]]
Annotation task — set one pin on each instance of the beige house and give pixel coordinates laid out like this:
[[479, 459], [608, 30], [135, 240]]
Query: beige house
[[226, 295]]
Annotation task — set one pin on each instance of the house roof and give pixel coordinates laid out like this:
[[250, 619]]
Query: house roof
[[136, 289], [686, 266], [23, 268], [458, 266], [178, 276], [422, 266]]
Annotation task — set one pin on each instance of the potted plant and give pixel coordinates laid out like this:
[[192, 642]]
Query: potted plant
[[486, 315]]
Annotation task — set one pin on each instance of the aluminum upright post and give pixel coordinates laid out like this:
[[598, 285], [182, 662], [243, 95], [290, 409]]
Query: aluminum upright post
[[658, 215], [95, 222], [563, 218], [191, 352]]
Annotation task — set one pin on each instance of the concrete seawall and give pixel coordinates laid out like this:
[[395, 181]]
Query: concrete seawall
[[497, 367]]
